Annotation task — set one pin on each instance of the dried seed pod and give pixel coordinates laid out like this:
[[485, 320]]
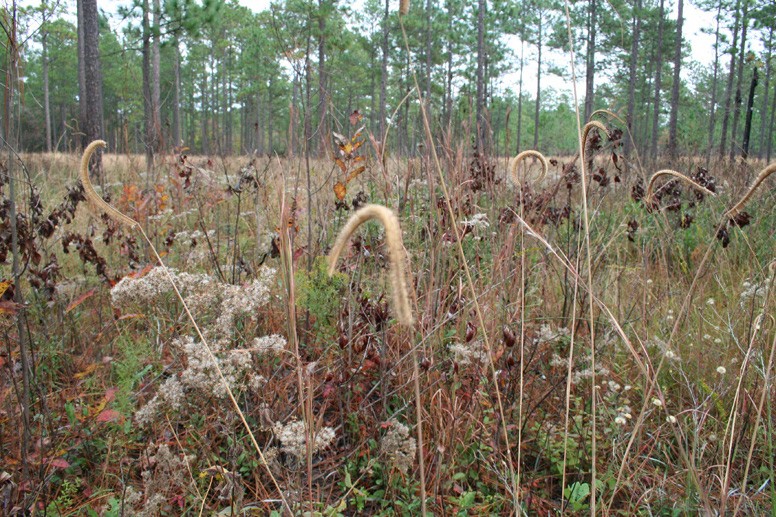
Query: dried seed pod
[[471, 331], [404, 7], [509, 336]]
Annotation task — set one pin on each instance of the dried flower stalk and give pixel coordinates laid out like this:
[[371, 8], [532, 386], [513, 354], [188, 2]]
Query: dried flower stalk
[[404, 7], [677, 175], [396, 254], [757, 182], [515, 162], [92, 195]]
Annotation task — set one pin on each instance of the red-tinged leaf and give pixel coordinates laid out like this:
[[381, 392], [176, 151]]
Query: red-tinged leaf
[[329, 389], [341, 165], [110, 394], [355, 117], [59, 463], [298, 253], [7, 307], [109, 415], [78, 301], [358, 159]]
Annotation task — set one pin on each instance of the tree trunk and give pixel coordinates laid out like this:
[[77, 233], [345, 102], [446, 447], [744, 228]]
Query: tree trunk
[[45, 71], [156, 96], [429, 18], [176, 94], [749, 113], [384, 74], [322, 98], [713, 104], [634, 58], [672, 123], [520, 100], [480, 115], [729, 87], [93, 80], [658, 83], [589, 61], [739, 81], [770, 129], [766, 88], [148, 108], [205, 109], [538, 84], [79, 135]]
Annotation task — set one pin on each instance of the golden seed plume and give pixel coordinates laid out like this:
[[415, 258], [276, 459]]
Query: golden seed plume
[[396, 254], [515, 162], [677, 175], [404, 7], [95, 198], [757, 182]]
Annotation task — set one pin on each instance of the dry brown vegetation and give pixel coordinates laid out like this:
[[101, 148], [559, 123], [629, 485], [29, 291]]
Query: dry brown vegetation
[[130, 413]]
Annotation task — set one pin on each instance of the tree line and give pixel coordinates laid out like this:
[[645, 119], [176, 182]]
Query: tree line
[[216, 77]]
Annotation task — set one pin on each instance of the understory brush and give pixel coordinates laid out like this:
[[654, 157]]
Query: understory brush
[[130, 403]]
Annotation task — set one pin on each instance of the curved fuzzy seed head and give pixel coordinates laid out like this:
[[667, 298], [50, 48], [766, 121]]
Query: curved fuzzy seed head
[[95, 198], [608, 113], [757, 182], [404, 7], [593, 124], [677, 175], [396, 254], [522, 156]]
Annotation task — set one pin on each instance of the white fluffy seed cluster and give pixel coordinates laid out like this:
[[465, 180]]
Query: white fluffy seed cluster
[[200, 377], [398, 446], [471, 353], [293, 438]]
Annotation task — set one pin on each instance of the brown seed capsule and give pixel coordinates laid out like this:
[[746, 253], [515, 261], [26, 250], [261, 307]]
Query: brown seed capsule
[[509, 336], [471, 331], [425, 363], [404, 7]]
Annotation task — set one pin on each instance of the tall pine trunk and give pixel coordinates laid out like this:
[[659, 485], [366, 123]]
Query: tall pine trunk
[[672, 122], [749, 113], [384, 74], [480, 109], [93, 74], [538, 84], [81, 78], [589, 61], [713, 103], [156, 89], [766, 88], [739, 81], [45, 71], [634, 58], [658, 83], [176, 93], [729, 87]]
